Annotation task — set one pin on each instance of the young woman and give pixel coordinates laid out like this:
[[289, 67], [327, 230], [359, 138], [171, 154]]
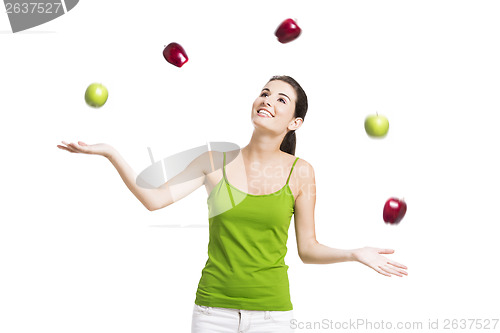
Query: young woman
[[253, 193]]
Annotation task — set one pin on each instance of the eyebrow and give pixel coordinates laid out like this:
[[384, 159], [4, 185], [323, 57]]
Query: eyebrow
[[278, 94]]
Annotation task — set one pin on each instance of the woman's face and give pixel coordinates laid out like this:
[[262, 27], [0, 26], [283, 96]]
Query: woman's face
[[278, 98]]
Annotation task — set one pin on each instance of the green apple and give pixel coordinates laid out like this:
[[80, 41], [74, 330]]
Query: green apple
[[96, 95], [376, 126]]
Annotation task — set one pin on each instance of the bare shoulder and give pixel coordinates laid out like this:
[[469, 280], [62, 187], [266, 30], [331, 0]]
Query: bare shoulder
[[213, 160], [207, 160], [304, 169], [304, 175]]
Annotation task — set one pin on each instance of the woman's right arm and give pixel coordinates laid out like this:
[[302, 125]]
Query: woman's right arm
[[183, 184], [146, 196], [175, 189]]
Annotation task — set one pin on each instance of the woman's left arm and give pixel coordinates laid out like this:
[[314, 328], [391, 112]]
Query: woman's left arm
[[312, 252]]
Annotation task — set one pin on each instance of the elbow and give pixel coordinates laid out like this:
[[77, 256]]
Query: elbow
[[303, 257], [306, 255], [305, 260], [152, 205]]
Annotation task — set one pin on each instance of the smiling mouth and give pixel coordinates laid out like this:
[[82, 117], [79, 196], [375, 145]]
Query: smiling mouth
[[264, 113]]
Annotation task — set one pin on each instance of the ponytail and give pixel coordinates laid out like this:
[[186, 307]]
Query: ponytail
[[289, 142]]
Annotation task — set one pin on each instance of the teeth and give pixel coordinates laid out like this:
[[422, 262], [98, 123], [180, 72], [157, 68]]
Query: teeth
[[265, 112]]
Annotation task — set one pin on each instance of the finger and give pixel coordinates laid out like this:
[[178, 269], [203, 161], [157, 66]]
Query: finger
[[62, 147], [70, 148], [78, 148], [390, 270], [82, 143], [73, 147], [385, 251], [401, 271], [378, 269], [398, 268], [397, 264]]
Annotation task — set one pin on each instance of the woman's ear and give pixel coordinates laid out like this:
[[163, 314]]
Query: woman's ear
[[297, 123]]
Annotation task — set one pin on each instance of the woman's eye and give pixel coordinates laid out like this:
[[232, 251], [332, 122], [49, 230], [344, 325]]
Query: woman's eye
[[281, 99]]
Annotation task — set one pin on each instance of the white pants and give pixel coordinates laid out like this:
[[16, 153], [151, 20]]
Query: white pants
[[208, 319]]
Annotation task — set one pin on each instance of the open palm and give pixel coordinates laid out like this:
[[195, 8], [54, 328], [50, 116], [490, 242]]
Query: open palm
[[81, 147], [371, 257]]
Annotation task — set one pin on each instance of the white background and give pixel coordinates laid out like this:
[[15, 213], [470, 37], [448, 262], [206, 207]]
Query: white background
[[79, 253]]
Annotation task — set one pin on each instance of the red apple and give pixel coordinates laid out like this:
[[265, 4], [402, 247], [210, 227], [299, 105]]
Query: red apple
[[175, 54], [394, 210], [287, 31]]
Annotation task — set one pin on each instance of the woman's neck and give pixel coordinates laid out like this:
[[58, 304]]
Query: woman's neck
[[260, 153]]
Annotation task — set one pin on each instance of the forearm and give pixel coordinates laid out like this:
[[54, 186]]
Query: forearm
[[320, 254], [145, 196]]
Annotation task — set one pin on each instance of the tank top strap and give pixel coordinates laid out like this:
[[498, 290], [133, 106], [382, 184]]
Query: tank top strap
[[292, 169]]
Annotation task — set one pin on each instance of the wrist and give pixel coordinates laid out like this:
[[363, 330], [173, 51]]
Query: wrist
[[110, 153], [353, 255]]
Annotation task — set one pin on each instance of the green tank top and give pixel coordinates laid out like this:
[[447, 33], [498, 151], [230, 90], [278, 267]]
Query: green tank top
[[246, 250]]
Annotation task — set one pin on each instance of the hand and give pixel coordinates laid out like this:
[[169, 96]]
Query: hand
[[370, 256], [81, 147]]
